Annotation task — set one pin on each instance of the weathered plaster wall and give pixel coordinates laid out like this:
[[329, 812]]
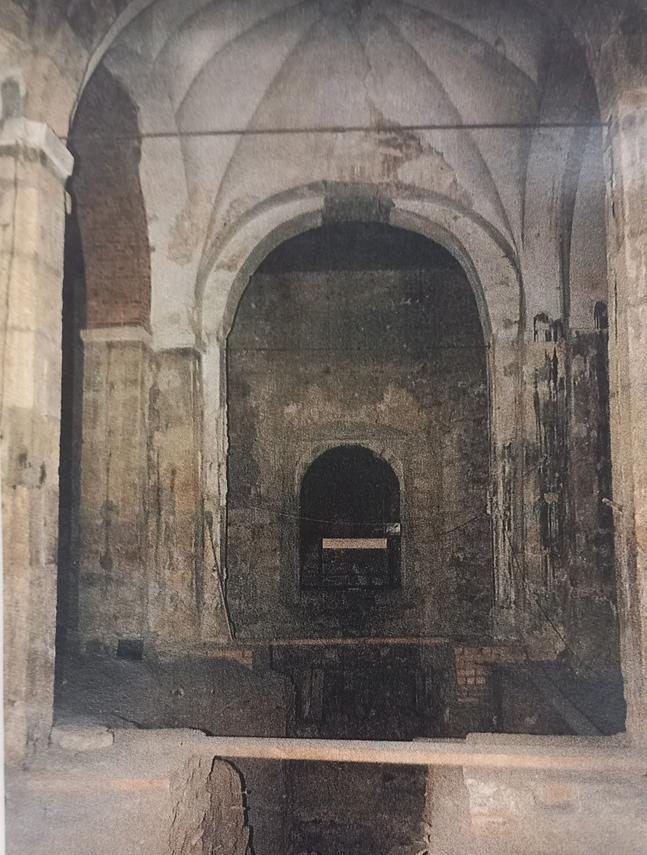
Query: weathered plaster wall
[[146, 567], [113, 593], [391, 360], [569, 579], [47, 91], [592, 594], [628, 403], [175, 549]]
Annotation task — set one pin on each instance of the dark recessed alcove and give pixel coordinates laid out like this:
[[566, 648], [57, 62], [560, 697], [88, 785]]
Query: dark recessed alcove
[[358, 246], [350, 521]]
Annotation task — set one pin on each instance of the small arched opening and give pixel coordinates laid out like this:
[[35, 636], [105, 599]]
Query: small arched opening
[[349, 521]]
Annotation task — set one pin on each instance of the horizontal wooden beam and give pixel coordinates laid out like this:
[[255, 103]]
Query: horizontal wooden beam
[[569, 755], [345, 543]]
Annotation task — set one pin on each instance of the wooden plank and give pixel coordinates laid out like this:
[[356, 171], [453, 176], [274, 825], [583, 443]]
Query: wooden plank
[[84, 784], [562, 754], [354, 543], [574, 717]]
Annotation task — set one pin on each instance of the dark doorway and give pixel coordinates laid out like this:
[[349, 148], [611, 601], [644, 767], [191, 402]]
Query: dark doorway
[[350, 521]]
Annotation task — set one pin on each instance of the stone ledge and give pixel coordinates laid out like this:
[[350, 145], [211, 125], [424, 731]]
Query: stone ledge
[[74, 738], [22, 136], [117, 334]]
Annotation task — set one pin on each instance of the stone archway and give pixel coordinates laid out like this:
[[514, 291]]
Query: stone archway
[[490, 268]]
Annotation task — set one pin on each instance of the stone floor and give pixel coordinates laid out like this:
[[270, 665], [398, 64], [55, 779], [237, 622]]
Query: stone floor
[[132, 792]]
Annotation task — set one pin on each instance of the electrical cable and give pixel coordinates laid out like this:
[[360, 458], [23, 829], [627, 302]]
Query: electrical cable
[[436, 127]]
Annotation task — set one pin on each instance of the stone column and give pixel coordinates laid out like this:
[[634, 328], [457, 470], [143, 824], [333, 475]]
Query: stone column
[[176, 561], [34, 165], [215, 621], [626, 156], [113, 573], [506, 492], [147, 564]]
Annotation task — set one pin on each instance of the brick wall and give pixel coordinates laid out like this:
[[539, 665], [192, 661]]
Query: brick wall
[[473, 669], [107, 193]]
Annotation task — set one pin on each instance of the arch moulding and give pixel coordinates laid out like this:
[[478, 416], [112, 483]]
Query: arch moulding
[[489, 264]]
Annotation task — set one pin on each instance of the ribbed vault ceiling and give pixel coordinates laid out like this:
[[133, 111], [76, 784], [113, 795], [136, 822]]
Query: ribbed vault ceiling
[[284, 64], [261, 65], [462, 45]]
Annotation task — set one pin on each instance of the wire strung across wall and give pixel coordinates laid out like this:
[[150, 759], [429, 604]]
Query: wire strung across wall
[[481, 516], [277, 508], [340, 129], [359, 349]]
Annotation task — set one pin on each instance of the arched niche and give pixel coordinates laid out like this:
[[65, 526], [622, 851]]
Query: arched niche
[[489, 264], [349, 521], [358, 335]]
